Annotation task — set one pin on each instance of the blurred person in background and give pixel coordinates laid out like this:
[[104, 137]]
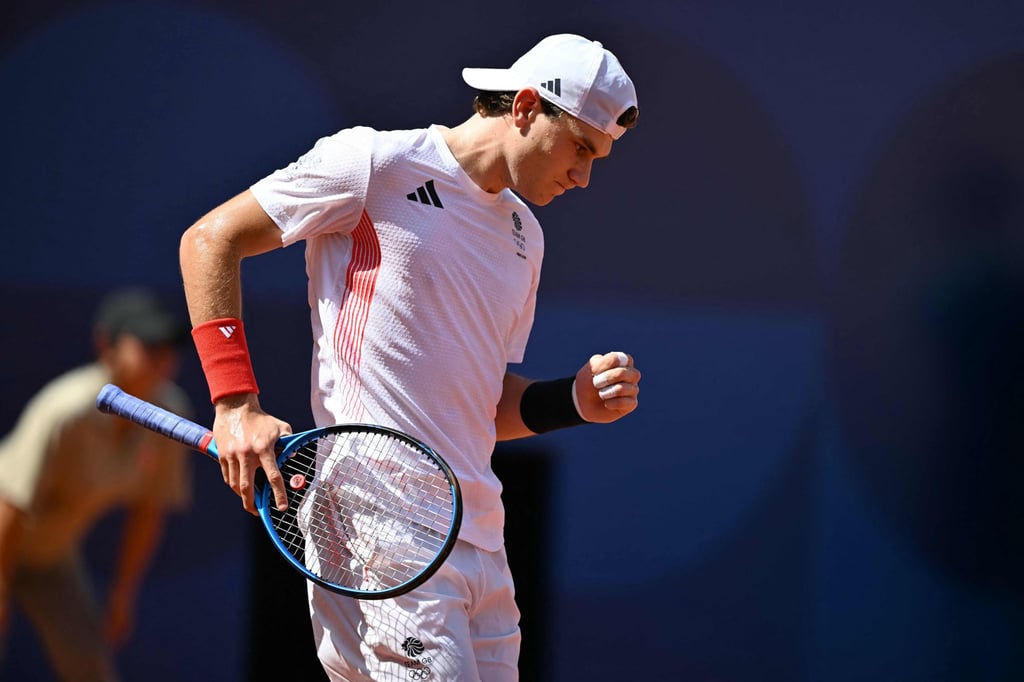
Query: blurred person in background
[[65, 466]]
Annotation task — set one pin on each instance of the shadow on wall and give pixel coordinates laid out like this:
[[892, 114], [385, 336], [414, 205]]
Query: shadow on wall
[[929, 331]]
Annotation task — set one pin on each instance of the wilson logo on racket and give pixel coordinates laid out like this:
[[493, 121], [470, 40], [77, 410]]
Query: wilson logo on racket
[[372, 512]]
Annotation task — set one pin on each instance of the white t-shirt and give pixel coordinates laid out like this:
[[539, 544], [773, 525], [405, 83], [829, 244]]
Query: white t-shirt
[[66, 464], [422, 289]]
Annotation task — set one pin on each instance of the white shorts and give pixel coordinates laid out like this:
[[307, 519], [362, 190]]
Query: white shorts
[[462, 624]]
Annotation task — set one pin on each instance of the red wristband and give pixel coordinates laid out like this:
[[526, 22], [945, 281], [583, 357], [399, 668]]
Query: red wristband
[[224, 355]]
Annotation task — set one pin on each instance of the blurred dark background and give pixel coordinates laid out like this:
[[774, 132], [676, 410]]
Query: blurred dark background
[[812, 244]]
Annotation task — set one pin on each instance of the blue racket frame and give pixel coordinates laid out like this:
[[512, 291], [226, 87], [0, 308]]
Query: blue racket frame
[[113, 400]]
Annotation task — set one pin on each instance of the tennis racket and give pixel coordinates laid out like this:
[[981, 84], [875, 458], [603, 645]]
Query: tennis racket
[[372, 512]]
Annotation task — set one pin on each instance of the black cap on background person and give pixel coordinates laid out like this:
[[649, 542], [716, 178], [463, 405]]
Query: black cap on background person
[[140, 313]]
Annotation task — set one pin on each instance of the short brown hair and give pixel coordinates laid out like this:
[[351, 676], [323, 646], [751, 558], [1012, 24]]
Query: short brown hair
[[500, 103]]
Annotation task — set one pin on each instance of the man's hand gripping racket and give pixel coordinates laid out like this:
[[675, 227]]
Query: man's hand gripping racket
[[372, 512]]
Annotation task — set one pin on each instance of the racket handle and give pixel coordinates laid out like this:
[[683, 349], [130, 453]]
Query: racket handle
[[113, 400]]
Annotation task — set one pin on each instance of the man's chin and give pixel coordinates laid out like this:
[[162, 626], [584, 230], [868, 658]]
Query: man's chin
[[542, 200]]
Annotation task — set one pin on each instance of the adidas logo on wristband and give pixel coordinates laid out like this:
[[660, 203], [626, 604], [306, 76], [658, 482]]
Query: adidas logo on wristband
[[224, 356]]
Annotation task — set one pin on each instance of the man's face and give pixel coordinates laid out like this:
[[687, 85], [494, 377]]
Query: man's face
[[142, 366], [556, 154]]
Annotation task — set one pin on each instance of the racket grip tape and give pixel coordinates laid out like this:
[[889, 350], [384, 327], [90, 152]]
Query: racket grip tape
[[113, 400]]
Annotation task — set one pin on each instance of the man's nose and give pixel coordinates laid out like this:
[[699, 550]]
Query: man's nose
[[580, 175]]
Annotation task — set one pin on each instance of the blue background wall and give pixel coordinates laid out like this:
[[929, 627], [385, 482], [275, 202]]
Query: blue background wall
[[812, 244]]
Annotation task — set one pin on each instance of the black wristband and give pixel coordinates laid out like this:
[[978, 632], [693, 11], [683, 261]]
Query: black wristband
[[549, 405]]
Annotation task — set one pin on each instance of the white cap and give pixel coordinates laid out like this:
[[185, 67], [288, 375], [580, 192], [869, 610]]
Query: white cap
[[574, 74]]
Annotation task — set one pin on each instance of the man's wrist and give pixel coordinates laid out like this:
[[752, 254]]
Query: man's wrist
[[549, 405], [224, 355]]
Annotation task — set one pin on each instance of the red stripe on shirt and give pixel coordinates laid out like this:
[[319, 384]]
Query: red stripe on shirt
[[360, 283]]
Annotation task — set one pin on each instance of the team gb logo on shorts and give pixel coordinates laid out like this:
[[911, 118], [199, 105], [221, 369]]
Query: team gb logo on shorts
[[419, 668]]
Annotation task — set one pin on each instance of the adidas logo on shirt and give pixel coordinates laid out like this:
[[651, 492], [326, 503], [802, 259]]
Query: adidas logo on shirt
[[426, 194]]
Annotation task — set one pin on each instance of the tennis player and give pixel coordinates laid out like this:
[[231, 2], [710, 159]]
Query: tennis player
[[423, 262], [65, 466]]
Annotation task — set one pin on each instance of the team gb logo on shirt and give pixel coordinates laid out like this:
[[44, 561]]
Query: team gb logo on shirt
[[517, 235]]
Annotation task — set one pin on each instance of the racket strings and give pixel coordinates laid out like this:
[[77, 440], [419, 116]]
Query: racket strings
[[374, 513]]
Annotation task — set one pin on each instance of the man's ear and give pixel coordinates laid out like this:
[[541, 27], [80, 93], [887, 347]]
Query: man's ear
[[526, 107]]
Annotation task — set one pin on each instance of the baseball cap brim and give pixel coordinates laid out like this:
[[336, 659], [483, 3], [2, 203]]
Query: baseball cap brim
[[492, 80]]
